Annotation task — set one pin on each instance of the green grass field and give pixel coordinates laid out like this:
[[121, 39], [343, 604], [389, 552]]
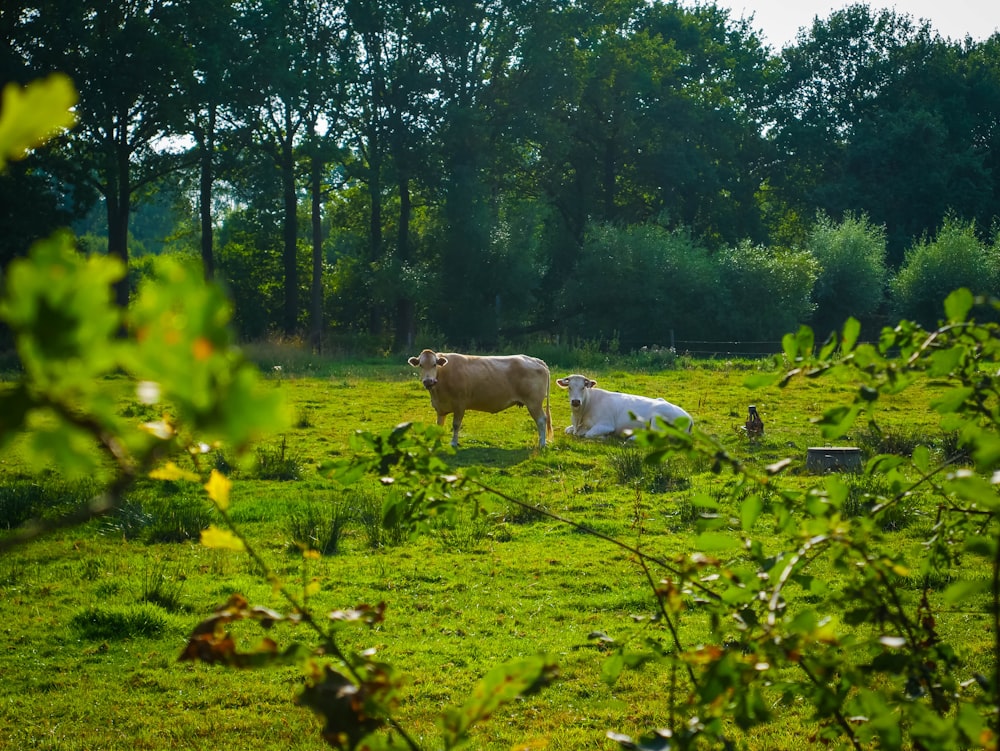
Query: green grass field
[[94, 618]]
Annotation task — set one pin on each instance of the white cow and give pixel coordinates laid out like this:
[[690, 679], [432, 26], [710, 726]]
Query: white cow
[[598, 412], [486, 384]]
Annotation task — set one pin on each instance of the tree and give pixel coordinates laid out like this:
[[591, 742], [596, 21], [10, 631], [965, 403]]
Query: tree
[[127, 69], [639, 284], [829, 80], [763, 293], [954, 258], [474, 48], [877, 115], [701, 156], [852, 271], [289, 84], [212, 42], [389, 121], [981, 69]]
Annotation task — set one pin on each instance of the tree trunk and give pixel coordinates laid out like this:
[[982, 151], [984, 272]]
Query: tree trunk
[[205, 196], [405, 309], [316, 289], [117, 199], [375, 225], [290, 233]]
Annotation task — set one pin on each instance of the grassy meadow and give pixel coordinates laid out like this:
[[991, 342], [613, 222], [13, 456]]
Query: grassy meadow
[[94, 618]]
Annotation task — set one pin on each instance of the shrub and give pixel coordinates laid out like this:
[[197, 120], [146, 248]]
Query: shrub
[[952, 260], [852, 271], [762, 293], [640, 283]]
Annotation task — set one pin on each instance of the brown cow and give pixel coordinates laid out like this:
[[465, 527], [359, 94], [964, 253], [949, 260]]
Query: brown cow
[[486, 384]]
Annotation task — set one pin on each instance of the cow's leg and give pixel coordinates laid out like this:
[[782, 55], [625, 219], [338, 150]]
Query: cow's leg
[[456, 425], [598, 430], [538, 415]]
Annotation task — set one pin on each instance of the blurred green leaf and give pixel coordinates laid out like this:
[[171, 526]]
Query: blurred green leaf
[[501, 685], [957, 305], [31, 115], [849, 335], [837, 421], [974, 489], [715, 541], [961, 590], [952, 400], [750, 511], [761, 380]]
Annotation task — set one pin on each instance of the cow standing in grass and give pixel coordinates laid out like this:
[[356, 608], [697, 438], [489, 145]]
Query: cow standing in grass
[[458, 383], [598, 412]]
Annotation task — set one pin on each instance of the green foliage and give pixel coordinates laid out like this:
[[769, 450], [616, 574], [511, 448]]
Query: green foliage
[[624, 273], [251, 276], [34, 114], [500, 686], [852, 271], [764, 293], [954, 258]]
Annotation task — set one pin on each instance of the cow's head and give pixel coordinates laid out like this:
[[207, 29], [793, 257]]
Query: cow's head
[[428, 362], [577, 386]]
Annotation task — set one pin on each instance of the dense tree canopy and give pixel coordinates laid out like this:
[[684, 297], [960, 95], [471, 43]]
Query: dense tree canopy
[[475, 170]]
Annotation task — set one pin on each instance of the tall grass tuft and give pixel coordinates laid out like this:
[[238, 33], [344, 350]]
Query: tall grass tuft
[[367, 508], [319, 526], [21, 500], [116, 623], [165, 512], [897, 441], [954, 450], [278, 463], [631, 468], [160, 588], [866, 491]]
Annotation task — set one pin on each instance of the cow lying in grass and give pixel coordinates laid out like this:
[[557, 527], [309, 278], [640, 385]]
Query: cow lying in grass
[[598, 412], [458, 383]]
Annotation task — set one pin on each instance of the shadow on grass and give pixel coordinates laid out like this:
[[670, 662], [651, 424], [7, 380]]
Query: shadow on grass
[[488, 456]]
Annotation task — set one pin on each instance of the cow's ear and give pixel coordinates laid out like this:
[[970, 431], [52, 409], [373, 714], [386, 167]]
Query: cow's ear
[[442, 361], [414, 361], [590, 384], [563, 382]]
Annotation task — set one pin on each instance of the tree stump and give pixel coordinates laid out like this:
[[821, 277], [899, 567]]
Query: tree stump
[[823, 459]]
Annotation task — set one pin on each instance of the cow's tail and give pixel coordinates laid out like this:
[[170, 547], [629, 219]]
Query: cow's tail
[[548, 414]]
